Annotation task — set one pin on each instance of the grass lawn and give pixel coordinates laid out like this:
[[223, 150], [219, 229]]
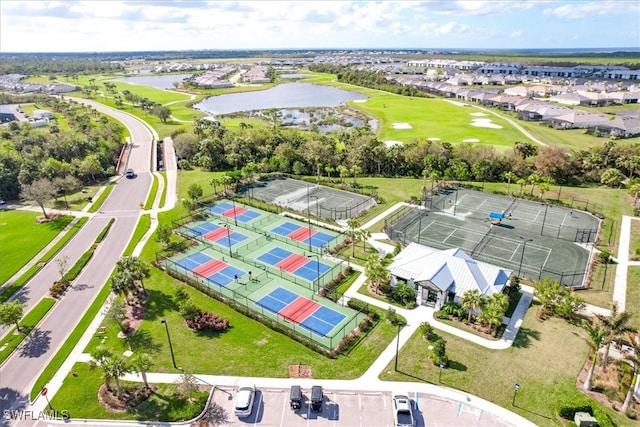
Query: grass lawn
[[633, 296], [545, 360], [634, 244], [247, 339], [78, 396], [20, 232], [27, 323]]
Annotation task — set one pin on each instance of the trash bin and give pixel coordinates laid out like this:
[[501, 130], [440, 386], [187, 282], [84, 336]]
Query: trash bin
[[295, 397]]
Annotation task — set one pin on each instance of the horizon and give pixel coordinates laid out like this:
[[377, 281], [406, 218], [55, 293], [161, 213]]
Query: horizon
[[176, 25]]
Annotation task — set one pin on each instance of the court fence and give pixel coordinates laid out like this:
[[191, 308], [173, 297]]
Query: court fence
[[246, 305], [320, 211], [397, 228]]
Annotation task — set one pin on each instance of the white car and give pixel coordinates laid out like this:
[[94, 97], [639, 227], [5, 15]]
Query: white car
[[402, 413], [243, 404]]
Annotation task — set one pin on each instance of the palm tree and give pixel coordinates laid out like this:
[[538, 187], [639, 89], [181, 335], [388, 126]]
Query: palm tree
[[122, 282], [134, 267], [353, 233], [596, 334], [616, 325], [141, 363], [491, 315], [471, 301], [115, 367], [364, 235], [509, 176], [215, 182], [500, 300], [634, 360], [375, 271]]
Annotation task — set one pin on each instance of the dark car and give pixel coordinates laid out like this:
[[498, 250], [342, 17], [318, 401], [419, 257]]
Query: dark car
[[129, 173]]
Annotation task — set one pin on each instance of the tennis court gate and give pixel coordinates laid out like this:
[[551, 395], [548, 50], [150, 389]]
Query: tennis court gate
[[252, 309]]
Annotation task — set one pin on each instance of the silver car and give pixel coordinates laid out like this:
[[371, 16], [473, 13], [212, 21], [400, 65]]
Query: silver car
[[402, 412], [243, 404]]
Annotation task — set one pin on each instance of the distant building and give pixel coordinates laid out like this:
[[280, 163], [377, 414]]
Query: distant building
[[6, 115], [43, 114]]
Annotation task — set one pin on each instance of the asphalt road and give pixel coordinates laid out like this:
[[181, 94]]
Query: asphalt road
[[19, 372]]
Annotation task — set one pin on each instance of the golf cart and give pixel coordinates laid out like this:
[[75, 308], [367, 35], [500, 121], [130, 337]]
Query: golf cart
[[295, 397], [316, 398]]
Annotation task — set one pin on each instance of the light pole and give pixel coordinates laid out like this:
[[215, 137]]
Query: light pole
[[440, 375], [522, 254], [317, 270], [235, 220], [228, 238], [516, 387], [400, 324], [544, 218], [456, 201], [317, 206], [166, 327], [309, 219]]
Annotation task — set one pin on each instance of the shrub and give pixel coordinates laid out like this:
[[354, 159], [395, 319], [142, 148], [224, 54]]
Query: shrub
[[188, 310], [205, 321], [428, 332], [392, 317], [453, 309]]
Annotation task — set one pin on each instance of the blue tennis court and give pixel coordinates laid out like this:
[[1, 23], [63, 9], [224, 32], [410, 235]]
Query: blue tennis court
[[320, 322], [277, 299], [285, 229], [274, 256], [240, 213], [233, 237], [323, 320], [204, 228], [193, 261], [311, 269], [226, 275], [319, 239]]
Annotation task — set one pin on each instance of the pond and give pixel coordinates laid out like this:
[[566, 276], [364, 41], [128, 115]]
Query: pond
[[159, 82], [288, 95]]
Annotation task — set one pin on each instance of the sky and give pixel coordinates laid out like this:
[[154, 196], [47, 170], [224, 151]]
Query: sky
[[144, 25]]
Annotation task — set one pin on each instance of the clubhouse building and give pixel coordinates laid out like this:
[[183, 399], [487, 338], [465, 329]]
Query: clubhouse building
[[443, 276]]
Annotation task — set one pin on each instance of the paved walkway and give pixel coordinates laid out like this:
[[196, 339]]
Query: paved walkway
[[620, 286]]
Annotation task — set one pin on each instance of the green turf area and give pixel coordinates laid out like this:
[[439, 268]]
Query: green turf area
[[27, 323], [633, 296], [544, 360], [21, 238], [634, 243], [247, 339], [79, 391]]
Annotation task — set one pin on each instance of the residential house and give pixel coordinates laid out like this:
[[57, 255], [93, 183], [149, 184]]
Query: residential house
[[6, 115], [443, 276]]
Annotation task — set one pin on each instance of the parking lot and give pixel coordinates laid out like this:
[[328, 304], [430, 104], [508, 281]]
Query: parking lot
[[348, 408]]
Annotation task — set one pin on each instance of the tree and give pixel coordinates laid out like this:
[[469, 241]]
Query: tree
[[114, 367], [163, 234], [595, 336], [134, 267], [612, 177], [141, 363], [186, 384], [162, 112], [195, 192], [616, 325], [375, 271], [525, 149], [63, 264], [633, 359], [11, 313], [634, 188], [509, 176], [471, 301], [39, 191], [491, 315], [353, 234]]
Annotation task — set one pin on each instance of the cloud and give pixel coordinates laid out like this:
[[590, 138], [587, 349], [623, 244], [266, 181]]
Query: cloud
[[577, 10]]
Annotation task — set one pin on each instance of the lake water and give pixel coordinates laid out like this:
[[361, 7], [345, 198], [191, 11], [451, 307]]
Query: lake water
[[159, 82], [288, 95]]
